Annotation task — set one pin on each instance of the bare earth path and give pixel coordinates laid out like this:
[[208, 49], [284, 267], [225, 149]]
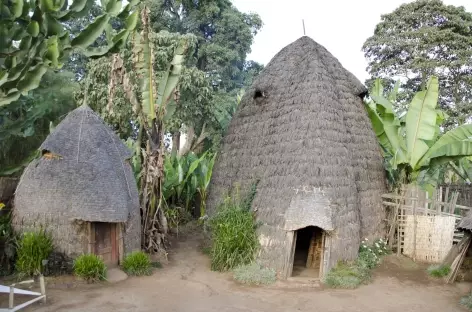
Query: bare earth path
[[188, 285]]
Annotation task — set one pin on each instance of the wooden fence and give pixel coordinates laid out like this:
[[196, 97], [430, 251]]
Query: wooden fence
[[464, 190], [411, 206]]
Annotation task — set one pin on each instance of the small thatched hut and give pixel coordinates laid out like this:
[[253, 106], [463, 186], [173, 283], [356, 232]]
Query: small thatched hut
[[82, 190], [302, 131]]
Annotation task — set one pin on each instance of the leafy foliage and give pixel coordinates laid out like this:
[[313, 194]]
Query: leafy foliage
[[44, 43], [233, 232], [24, 124], [421, 39], [137, 263], [254, 274], [8, 239], [439, 271], [413, 144], [355, 273], [33, 248], [90, 268]]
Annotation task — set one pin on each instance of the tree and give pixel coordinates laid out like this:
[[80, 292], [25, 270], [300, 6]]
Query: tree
[[414, 145], [33, 39], [224, 36], [25, 123], [421, 39]]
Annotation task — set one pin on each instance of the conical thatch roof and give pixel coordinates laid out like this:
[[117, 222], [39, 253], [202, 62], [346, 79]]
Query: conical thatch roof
[[88, 177], [303, 131]]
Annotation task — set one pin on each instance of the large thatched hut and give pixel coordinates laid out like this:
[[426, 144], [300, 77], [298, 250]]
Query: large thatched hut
[[302, 131], [82, 190]]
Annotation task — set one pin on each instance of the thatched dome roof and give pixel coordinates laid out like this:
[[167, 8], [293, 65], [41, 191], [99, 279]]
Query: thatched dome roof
[[303, 131], [88, 177]]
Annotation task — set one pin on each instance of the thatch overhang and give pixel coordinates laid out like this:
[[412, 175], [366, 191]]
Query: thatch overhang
[[83, 174]]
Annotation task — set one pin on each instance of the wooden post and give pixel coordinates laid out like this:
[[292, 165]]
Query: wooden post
[[446, 197], [452, 205], [12, 294], [414, 230], [42, 285]]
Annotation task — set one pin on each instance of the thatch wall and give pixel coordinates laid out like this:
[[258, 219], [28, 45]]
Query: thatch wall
[[303, 131], [83, 176]]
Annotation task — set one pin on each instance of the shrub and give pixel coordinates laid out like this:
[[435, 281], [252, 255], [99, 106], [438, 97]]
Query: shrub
[[347, 275], [137, 263], [355, 273], [33, 248], [233, 234], [439, 270], [254, 274], [8, 240], [467, 302], [90, 267]]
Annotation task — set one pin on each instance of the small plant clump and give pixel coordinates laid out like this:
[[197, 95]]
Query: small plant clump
[[254, 274], [439, 271], [90, 267], [137, 263], [358, 272], [233, 233], [33, 248], [467, 302]]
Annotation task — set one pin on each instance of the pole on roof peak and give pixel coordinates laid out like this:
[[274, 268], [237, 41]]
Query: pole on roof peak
[[303, 22]]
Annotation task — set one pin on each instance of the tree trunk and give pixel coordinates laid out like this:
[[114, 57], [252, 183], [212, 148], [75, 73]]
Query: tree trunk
[[175, 142]]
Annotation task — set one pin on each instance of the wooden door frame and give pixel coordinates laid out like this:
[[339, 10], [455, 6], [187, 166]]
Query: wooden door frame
[[294, 247], [116, 248]]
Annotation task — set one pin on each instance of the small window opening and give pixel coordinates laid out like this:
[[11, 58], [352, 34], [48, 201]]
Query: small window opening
[[259, 94], [49, 155]]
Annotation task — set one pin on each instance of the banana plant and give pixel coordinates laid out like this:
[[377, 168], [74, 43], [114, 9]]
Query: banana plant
[[204, 177], [33, 39], [414, 144]]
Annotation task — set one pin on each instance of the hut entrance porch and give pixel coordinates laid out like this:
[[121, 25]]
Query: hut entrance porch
[[105, 242], [308, 252]]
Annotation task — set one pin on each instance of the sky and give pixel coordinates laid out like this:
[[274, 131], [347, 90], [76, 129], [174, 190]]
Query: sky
[[341, 26]]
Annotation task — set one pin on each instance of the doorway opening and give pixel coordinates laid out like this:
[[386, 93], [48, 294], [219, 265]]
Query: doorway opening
[[308, 254]]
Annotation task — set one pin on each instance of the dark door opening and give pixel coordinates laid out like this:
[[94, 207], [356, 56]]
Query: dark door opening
[[308, 252]]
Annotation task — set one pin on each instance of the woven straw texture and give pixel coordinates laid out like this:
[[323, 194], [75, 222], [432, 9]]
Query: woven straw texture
[[434, 237], [303, 131], [88, 179]]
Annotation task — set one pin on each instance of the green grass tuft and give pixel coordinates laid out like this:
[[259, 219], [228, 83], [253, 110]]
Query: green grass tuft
[[467, 302], [347, 275], [254, 274], [439, 271], [33, 248], [137, 263], [233, 234], [90, 268]]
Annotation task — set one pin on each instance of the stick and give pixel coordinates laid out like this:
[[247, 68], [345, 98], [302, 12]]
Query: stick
[[43, 287], [303, 22], [414, 230], [10, 301]]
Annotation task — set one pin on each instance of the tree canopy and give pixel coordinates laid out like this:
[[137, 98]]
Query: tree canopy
[[421, 39]]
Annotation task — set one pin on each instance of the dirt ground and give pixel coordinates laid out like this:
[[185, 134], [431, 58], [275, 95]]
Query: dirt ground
[[187, 284]]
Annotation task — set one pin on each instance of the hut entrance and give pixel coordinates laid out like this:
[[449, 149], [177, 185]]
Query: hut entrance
[[308, 253], [105, 242]]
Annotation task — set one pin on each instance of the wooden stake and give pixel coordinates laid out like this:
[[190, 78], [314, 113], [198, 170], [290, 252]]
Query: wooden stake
[[12, 294], [414, 230], [43, 287]]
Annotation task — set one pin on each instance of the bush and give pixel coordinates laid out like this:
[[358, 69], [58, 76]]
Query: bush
[[254, 274], [233, 234], [137, 263], [467, 302], [439, 270], [347, 275], [355, 273], [90, 268], [33, 248], [8, 240]]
